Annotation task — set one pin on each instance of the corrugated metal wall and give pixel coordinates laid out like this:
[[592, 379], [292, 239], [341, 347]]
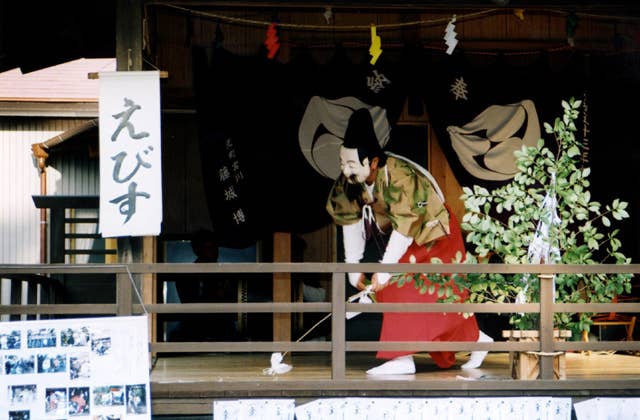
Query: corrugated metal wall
[[77, 173], [19, 220], [19, 180]]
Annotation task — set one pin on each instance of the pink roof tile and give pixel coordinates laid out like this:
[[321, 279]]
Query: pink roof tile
[[66, 82], [11, 73]]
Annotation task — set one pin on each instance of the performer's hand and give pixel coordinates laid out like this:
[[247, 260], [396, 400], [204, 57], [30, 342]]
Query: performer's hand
[[377, 284], [360, 285], [357, 280]]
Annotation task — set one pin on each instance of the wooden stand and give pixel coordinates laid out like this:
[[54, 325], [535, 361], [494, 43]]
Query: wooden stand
[[525, 365]]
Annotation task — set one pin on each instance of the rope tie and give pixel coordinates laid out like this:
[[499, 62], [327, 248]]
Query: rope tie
[[369, 221]]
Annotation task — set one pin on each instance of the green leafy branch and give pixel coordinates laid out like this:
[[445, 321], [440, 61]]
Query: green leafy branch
[[501, 224]]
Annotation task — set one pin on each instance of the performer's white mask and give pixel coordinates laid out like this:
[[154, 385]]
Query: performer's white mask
[[352, 169]]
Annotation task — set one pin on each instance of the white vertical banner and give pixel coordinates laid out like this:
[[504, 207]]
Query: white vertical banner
[[130, 154]]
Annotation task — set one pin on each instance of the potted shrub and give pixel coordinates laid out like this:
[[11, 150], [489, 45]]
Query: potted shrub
[[544, 215]]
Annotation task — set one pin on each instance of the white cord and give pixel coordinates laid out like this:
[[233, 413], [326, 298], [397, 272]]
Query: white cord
[[135, 288]]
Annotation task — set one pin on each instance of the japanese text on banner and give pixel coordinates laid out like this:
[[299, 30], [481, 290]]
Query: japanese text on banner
[[130, 154]]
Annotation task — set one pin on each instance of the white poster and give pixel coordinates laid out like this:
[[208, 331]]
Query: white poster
[[130, 158], [498, 408], [254, 409], [83, 368]]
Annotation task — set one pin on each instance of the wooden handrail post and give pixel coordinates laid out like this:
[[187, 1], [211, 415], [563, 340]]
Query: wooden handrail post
[[124, 288], [546, 325], [282, 286], [338, 345], [124, 295], [148, 283]]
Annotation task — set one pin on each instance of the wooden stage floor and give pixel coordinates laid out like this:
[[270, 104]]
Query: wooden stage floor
[[189, 383]]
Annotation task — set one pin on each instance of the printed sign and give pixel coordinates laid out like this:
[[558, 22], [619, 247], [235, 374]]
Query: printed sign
[[84, 368]]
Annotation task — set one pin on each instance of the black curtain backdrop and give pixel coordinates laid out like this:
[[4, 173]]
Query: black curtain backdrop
[[258, 104], [496, 80]]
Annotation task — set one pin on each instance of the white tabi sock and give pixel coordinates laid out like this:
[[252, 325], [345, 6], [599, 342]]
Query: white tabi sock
[[402, 365], [477, 357]]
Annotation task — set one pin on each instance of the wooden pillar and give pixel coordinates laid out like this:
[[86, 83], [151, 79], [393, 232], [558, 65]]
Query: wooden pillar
[[129, 58], [149, 289], [56, 235], [442, 172], [128, 35], [282, 286]]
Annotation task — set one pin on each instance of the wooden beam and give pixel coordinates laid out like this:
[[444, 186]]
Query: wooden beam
[[95, 75]]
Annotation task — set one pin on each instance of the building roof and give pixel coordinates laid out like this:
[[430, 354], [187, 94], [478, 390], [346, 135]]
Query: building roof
[[66, 82]]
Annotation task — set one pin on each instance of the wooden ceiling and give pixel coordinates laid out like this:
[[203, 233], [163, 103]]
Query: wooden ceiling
[[628, 7]]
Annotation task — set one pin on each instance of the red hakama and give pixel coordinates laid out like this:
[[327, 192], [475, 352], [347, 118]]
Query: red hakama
[[415, 326]]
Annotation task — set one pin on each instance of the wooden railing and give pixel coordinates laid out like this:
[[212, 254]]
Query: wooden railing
[[128, 302], [26, 289]]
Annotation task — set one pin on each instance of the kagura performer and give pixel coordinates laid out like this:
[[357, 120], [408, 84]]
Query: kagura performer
[[385, 192]]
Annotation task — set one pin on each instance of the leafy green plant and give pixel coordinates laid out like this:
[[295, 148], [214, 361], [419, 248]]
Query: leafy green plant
[[548, 203]]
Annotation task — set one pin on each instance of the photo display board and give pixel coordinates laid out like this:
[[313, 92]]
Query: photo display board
[[82, 368]]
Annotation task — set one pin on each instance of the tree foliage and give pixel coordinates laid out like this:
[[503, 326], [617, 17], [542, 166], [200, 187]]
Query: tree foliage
[[501, 224]]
